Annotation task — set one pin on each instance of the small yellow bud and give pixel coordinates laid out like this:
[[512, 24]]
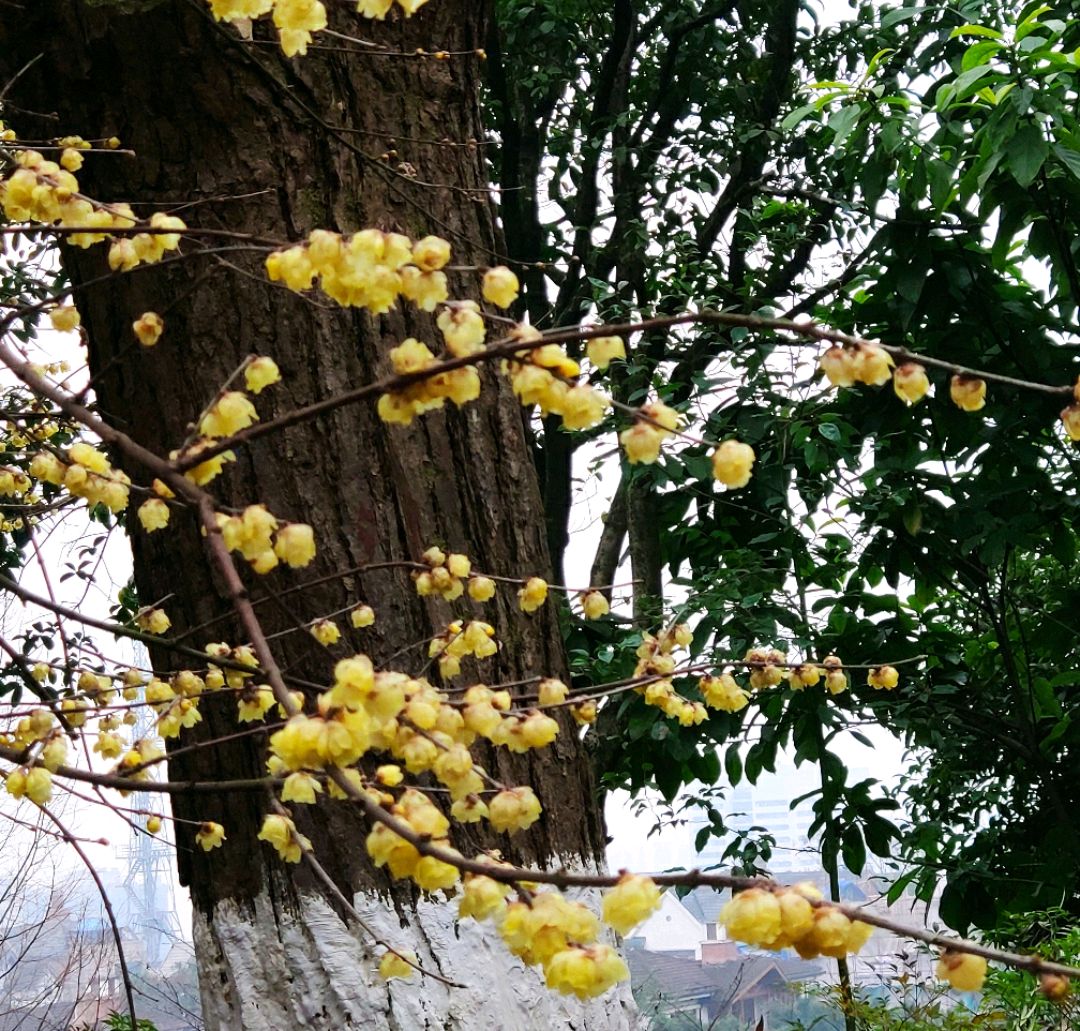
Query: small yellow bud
[[148, 328]]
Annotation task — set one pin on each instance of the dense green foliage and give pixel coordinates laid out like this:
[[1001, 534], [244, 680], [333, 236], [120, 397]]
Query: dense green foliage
[[912, 173]]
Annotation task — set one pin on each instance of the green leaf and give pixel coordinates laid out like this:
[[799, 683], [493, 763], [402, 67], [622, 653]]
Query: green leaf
[[1025, 153], [797, 116], [733, 764], [975, 30], [852, 849]]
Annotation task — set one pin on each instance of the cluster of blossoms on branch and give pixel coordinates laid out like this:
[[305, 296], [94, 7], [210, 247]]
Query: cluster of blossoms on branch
[[297, 20]]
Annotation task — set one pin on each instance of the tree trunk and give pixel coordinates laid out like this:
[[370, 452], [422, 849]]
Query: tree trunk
[[275, 148]]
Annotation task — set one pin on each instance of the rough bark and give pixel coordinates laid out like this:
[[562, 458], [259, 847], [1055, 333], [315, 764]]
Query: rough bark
[[248, 135]]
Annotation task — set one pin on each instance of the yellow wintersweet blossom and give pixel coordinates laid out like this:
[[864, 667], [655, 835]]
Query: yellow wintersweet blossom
[[631, 900], [515, 809], [153, 514], [656, 423], [585, 971], [602, 351], [883, 678], [482, 897], [294, 544], [229, 414], [968, 393], [34, 784], [65, 318], [148, 328], [394, 964], [533, 595], [362, 616], [858, 363], [295, 21], [281, 833], [723, 693], [260, 373], [732, 462], [910, 382], [500, 286], [153, 621], [210, 835], [962, 970]]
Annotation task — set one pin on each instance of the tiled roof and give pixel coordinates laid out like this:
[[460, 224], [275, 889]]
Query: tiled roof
[[675, 978]]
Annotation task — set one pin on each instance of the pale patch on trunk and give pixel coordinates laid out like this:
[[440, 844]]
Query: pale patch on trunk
[[276, 971]]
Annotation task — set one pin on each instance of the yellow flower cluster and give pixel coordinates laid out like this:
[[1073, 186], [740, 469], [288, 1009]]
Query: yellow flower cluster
[[655, 658], [34, 783], [295, 20], [87, 474], [765, 667], [723, 693], [263, 541], [789, 918], [541, 376], [379, 9], [857, 363], [654, 424], [369, 269], [559, 936], [401, 857], [459, 641], [281, 833], [883, 678], [14, 482], [444, 576], [43, 191], [847, 365], [401, 406]]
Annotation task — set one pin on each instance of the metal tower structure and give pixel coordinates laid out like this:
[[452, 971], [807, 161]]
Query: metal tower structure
[[148, 883]]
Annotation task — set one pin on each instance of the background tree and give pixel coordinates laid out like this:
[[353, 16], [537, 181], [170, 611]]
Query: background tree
[[923, 191]]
